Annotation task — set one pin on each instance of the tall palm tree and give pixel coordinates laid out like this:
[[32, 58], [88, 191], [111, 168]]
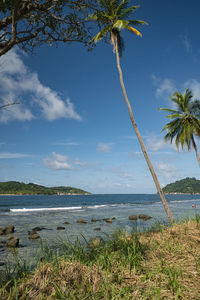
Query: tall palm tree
[[112, 17], [185, 121]]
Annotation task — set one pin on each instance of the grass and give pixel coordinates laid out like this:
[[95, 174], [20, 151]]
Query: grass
[[163, 263]]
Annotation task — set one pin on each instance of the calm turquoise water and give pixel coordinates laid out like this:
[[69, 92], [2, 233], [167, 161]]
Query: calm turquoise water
[[27, 212]]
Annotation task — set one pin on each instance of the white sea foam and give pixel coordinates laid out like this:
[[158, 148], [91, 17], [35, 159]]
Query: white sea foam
[[97, 206], [186, 200], [17, 210]]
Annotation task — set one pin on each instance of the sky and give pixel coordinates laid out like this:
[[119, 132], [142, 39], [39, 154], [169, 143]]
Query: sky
[[72, 126]]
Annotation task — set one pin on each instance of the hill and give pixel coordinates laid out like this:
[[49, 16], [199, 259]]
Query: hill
[[18, 188], [183, 186]]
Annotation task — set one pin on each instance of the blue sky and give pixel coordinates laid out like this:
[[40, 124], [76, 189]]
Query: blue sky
[[72, 126]]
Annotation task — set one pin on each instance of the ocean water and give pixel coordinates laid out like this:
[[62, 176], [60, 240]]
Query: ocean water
[[49, 212]]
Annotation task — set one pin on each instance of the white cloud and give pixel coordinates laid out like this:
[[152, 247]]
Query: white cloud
[[8, 155], [68, 144], [18, 82], [122, 173], [194, 85], [164, 87], [166, 170], [187, 43], [102, 147], [77, 162], [57, 162], [155, 144]]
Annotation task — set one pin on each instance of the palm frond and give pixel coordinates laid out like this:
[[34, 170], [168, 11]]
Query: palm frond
[[100, 35], [120, 24], [137, 22], [126, 12], [176, 115], [120, 42], [132, 29], [168, 110], [122, 6]]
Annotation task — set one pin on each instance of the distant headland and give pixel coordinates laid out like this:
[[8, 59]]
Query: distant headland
[[184, 186], [20, 188]]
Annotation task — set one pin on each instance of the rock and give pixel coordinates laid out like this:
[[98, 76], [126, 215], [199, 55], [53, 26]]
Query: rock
[[13, 242], [97, 229], [2, 231], [81, 221], [108, 221], [144, 217], [94, 220], [60, 228], [133, 218], [37, 229], [9, 229], [33, 235], [66, 223], [2, 244], [95, 242]]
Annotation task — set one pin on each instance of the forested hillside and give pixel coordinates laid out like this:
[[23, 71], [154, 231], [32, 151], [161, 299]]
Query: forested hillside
[[14, 187], [186, 186]]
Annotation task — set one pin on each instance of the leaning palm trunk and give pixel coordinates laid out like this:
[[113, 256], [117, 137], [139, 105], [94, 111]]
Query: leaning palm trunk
[[139, 136], [196, 150]]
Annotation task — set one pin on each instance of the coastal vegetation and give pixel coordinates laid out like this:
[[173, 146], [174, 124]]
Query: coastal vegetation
[[183, 186], [185, 124], [163, 263], [20, 188], [113, 16]]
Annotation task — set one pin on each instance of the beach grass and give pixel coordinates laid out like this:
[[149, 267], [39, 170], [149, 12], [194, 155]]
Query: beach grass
[[162, 263]]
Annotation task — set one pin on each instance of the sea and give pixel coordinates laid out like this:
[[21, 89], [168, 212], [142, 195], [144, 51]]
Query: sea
[[51, 211]]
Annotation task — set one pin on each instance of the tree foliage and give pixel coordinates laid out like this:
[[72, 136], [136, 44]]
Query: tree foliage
[[185, 122], [112, 16], [29, 23], [186, 185], [14, 187]]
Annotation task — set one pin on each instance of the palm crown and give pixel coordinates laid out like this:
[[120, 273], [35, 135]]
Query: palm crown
[[185, 120], [111, 18]]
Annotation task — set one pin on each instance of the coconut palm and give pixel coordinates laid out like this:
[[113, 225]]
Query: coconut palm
[[185, 122], [112, 17]]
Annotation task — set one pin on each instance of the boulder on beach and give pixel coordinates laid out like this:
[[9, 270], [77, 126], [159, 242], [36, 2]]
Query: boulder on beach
[[109, 221], [133, 218], [38, 228], [94, 220], [2, 244], [144, 217], [60, 228], [2, 231], [9, 229], [13, 242], [33, 235], [97, 229], [81, 221]]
